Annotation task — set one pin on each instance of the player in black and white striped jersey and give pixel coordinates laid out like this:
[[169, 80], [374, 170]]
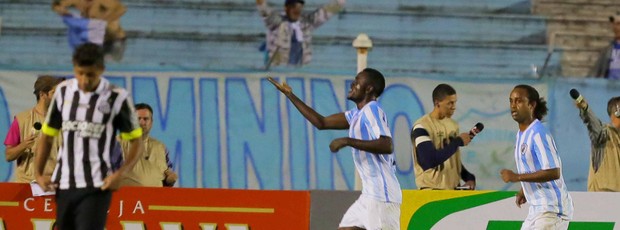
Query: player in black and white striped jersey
[[87, 111]]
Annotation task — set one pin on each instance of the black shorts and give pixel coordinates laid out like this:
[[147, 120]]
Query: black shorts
[[84, 208]]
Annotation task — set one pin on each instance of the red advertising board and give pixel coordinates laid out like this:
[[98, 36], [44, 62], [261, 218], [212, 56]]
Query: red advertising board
[[169, 208]]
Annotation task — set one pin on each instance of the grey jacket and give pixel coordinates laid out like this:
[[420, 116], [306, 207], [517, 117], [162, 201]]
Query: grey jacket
[[601, 67], [598, 133], [605, 155]]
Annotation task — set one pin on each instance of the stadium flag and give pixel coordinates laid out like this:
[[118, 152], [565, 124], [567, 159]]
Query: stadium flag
[[83, 30]]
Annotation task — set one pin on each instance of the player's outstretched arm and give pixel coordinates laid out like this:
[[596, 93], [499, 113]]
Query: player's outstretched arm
[[538, 176], [334, 121], [383, 145]]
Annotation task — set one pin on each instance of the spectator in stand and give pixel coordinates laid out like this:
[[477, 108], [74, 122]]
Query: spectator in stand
[[289, 34], [108, 11], [608, 63]]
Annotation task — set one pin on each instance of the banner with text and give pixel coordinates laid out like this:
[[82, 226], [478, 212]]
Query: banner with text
[[168, 208], [231, 209], [227, 130]]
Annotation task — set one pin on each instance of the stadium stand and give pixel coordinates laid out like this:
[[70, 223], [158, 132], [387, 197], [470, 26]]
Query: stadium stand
[[580, 28], [497, 39]]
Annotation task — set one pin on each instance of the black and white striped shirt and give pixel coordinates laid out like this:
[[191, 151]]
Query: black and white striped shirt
[[88, 121]]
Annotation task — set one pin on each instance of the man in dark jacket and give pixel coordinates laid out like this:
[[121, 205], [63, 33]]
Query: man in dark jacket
[[608, 63]]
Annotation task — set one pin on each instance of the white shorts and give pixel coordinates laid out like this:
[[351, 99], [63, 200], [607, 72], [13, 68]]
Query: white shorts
[[371, 214], [545, 220]]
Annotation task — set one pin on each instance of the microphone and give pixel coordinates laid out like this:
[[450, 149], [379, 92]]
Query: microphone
[[476, 129], [36, 127], [35, 131], [576, 95]]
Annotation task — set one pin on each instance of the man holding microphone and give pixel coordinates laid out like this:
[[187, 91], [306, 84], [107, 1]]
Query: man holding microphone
[[605, 139], [436, 142], [21, 139]]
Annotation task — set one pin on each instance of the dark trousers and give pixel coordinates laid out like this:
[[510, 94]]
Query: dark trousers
[[82, 209]]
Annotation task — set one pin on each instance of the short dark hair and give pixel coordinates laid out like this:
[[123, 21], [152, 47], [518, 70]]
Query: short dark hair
[[293, 2], [541, 109], [442, 91], [88, 54], [376, 80], [144, 106], [613, 105]]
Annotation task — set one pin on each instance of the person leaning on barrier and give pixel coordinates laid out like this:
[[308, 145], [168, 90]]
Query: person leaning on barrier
[[604, 175]]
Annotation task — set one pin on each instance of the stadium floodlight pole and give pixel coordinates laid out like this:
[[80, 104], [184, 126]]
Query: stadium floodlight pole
[[363, 44]]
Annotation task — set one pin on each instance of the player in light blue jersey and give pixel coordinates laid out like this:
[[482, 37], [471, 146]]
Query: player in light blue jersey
[[538, 164], [369, 136]]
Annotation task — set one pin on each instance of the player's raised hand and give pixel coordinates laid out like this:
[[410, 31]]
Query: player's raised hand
[[284, 88]]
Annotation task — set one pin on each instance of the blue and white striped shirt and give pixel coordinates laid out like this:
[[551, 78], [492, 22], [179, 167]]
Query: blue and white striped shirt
[[535, 150], [377, 171]]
